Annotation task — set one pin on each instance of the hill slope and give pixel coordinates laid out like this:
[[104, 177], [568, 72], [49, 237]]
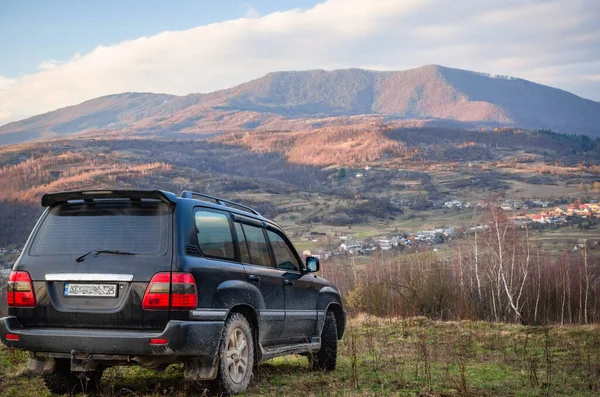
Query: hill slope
[[428, 92]]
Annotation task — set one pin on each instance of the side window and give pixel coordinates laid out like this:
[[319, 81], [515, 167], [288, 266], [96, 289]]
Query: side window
[[257, 245], [284, 254], [214, 234], [241, 238]]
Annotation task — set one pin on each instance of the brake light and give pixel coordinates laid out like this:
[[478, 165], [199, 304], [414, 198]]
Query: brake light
[[12, 337], [183, 293], [171, 290], [20, 290], [158, 292]]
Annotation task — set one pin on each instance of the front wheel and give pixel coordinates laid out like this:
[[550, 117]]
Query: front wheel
[[326, 358], [236, 356]]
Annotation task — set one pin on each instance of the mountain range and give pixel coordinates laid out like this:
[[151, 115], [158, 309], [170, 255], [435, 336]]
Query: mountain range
[[287, 101]]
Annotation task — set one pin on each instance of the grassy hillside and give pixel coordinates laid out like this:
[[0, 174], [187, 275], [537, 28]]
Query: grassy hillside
[[374, 178], [415, 356]]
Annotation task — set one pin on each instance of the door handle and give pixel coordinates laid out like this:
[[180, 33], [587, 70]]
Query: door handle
[[288, 282], [254, 278]]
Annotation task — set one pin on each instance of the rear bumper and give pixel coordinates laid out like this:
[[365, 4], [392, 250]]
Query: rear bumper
[[185, 338]]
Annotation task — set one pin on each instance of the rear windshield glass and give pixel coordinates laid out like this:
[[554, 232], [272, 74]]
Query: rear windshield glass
[[140, 228]]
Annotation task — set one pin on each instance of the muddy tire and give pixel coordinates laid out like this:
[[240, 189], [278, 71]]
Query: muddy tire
[[326, 358], [236, 356], [63, 381]]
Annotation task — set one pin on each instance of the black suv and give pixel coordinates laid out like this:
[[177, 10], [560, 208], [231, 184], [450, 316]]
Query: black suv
[[148, 278]]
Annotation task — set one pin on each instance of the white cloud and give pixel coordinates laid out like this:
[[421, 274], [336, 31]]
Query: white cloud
[[5, 83], [552, 42], [48, 65], [249, 10]]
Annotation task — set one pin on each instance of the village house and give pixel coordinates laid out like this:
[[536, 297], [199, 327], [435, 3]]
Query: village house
[[541, 218], [353, 247], [395, 241], [580, 244], [520, 220], [384, 244], [453, 204]]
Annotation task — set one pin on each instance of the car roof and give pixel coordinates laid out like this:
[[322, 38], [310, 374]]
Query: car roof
[[51, 199]]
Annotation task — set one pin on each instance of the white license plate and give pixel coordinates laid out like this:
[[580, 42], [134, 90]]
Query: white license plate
[[93, 290]]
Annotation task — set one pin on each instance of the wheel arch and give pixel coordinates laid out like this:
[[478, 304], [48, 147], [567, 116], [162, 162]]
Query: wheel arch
[[330, 300], [340, 318], [251, 314]]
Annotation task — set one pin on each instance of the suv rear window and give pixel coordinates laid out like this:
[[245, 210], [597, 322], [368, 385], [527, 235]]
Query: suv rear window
[[141, 228]]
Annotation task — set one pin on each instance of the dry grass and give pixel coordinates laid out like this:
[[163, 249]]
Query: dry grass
[[387, 356]]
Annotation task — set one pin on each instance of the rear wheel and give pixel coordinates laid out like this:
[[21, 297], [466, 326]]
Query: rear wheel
[[63, 381], [325, 359], [236, 356]]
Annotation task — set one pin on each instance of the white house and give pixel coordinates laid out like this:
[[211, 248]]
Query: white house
[[453, 204]]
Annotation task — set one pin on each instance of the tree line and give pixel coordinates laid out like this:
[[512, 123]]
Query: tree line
[[496, 275]]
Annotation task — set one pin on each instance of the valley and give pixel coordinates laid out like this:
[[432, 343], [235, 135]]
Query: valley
[[370, 180], [354, 164]]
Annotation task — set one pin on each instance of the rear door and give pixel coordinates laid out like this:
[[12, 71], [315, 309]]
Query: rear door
[[100, 290], [255, 256], [300, 290]]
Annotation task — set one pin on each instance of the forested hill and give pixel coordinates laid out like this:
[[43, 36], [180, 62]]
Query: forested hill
[[300, 100]]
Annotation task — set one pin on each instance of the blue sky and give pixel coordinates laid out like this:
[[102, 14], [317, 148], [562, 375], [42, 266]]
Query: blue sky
[[56, 53], [37, 31]]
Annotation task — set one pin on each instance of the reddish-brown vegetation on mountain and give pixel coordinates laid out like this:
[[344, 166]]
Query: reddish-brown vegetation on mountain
[[351, 145], [316, 98]]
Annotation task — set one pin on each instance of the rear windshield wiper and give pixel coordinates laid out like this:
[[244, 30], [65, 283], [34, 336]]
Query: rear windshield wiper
[[97, 252]]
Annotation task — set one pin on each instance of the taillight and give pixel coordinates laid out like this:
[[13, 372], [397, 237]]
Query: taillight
[[20, 290], [183, 293], [158, 292], [171, 290]]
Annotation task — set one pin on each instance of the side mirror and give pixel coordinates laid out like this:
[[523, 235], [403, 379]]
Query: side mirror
[[312, 264]]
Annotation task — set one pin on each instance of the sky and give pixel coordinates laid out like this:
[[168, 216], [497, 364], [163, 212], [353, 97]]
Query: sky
[[57, 53]]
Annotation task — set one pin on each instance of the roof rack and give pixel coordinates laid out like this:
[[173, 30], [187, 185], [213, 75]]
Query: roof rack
[[220, 201]]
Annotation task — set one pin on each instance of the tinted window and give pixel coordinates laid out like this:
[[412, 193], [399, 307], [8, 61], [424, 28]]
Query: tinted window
[[141, 228], [284, 255], [257, 245], [245, 255], [214, 234]]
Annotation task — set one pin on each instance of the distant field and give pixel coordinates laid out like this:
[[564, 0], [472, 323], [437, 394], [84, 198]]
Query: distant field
[[563, 239], [412, 357], [521, 190]]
